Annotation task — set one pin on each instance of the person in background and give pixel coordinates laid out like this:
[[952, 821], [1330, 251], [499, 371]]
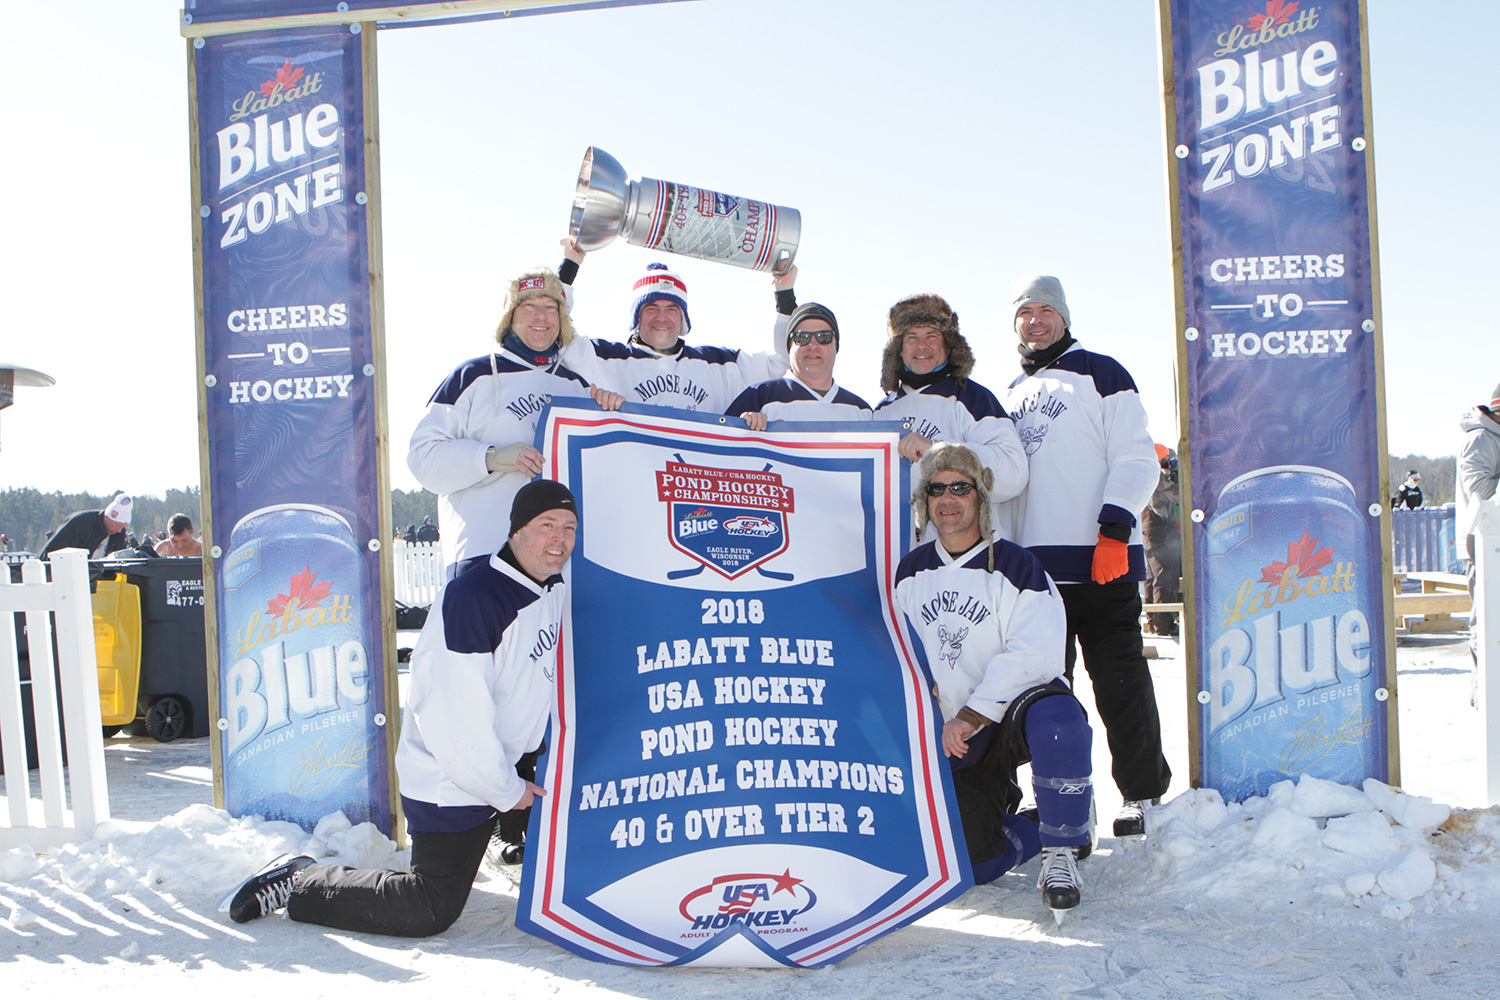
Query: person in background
[[1161, 531], [1409, 493], [1478, 474], [181, 542], [97, 532]]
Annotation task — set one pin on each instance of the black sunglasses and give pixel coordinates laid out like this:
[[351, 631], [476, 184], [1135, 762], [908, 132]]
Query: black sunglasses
[[957, 489], [803, 337]]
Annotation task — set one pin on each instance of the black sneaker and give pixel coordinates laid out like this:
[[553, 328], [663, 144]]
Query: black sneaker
[[267, 890]]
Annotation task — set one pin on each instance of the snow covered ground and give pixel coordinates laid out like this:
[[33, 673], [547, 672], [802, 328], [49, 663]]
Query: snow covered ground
[[1261, 900]]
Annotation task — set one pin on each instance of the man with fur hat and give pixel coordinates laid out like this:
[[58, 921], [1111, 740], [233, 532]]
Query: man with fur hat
[[97, 532], [656, 365], [925, 374], [992, 624], [473, 446], [481, 693], [1093, 470], [808, 392]]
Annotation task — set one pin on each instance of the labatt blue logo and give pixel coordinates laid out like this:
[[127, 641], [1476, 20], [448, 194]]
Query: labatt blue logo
[[730, 520], [754, 899]]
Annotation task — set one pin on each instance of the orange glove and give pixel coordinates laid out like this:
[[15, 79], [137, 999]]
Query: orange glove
[[1111, 560]]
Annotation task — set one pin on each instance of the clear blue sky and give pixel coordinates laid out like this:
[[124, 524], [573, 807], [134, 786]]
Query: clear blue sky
[[943, 146]]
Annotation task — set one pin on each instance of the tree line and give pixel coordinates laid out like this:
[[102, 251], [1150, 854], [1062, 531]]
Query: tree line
[[26, 515]]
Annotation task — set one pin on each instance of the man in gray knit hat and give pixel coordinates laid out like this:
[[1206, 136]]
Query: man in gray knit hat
[[1093, 469]]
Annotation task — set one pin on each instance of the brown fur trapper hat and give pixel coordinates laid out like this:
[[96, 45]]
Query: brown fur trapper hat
[[944, 457], [924, 310], [539, 281]]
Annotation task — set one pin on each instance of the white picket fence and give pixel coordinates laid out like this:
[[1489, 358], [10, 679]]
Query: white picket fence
[[50, 821], [418, 570]]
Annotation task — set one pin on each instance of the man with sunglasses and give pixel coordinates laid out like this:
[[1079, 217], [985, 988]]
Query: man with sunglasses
[[1093, 470], [809, 392], [992, 623]]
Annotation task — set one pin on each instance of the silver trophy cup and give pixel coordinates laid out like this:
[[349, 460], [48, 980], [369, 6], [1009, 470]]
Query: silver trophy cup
[[695, 222]]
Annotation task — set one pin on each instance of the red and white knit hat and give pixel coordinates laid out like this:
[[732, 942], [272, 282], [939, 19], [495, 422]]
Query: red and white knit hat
[[656, 285]]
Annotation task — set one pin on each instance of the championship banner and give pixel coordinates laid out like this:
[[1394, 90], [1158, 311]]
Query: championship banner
[[743, 768], [292, 414], [1272, 194]]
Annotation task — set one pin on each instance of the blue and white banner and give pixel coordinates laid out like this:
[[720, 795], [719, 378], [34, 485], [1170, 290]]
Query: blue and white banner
[[1271, 173], [292, 419], [744, 766]]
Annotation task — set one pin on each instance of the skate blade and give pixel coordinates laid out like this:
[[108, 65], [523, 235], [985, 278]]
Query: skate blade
[[1058, 916]]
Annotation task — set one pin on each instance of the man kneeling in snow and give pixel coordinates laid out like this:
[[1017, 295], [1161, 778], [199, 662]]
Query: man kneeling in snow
[[992, 625], [481, 690]]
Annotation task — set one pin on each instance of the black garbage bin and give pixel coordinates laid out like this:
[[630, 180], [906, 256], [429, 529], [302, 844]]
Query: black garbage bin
[[173, 696]]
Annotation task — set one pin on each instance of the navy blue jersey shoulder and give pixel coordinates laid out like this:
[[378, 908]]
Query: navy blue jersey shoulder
[[847, 398], [611, 350], [1020, 567], [463, 376], [479, 605], [919, 559], [1107, 374], [713, 355], [978, 400], [781, 390], [474, 369]]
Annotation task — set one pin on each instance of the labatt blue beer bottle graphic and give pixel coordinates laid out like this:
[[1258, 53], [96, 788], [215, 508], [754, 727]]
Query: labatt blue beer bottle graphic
[[1293, 658], [297, 686]]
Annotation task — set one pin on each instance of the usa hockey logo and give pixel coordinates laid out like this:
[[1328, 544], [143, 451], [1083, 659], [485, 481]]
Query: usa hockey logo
[[712, 204], [729, 520], [759, 900]]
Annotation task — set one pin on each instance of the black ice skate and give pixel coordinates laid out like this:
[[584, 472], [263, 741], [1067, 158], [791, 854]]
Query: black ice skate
[[267, 890]]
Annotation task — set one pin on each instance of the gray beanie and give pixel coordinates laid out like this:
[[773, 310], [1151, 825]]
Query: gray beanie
[[1038, 287]]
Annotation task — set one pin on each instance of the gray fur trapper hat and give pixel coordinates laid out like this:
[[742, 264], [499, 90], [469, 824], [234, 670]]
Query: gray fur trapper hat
[[945, 457], [924, 310]]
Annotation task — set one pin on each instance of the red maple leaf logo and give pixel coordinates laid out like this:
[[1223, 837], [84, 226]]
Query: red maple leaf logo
[[305, 593], [288, 75], [1303, 558], [1277, 11]]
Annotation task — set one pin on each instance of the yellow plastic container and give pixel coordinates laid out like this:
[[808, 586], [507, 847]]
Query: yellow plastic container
[[117, 644]]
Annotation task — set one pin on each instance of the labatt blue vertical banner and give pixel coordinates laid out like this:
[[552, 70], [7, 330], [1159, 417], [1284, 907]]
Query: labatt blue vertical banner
[[743, 768], [292, 416], [1279, 338]]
